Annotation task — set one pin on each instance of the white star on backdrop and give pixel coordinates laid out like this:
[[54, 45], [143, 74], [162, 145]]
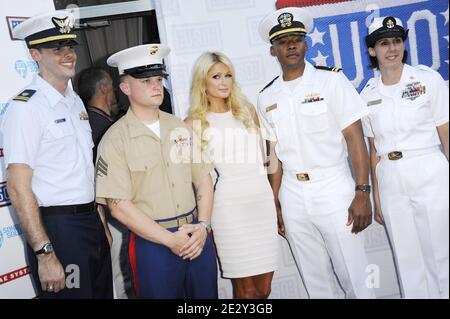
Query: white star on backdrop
[[320, 59], [446, 38], [316, 37], [445, 14]]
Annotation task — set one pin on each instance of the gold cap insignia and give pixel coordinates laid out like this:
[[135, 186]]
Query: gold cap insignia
[[285, 19], [390, 23], [62, 24], [154, 50]]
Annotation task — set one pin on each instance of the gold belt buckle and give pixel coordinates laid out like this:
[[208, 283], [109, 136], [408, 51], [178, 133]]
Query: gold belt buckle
[[185, 220], [302, 177], [396, 155], [180, 221]]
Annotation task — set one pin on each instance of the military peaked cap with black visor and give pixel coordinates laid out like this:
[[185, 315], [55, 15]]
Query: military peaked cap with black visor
[[142, 61], [48, 30], [385, 27], [284, 22]]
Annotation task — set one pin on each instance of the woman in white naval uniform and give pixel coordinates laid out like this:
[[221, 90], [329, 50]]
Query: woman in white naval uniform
[[407, 123]]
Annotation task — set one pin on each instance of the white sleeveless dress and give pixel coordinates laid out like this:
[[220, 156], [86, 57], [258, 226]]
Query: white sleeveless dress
[[244, 218]]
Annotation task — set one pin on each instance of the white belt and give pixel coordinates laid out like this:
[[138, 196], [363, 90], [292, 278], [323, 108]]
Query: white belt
[[396, 155], [318, 173]]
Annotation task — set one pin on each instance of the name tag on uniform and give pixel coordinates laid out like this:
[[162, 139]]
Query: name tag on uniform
[[60, 121], [374, 102], [271, 108]]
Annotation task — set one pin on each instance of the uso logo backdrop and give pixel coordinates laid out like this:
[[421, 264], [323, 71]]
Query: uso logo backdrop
[[192, 27], [339, 30]]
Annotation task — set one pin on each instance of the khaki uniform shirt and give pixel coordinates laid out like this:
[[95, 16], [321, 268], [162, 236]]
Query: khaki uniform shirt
[[156, 174]]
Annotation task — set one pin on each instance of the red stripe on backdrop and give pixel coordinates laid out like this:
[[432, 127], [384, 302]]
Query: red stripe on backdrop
[[304, 3], [15, 274]]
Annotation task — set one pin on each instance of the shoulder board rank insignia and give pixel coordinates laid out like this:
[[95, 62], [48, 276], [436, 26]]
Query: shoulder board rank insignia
[[269, 84], [327, 68], [24, 96]]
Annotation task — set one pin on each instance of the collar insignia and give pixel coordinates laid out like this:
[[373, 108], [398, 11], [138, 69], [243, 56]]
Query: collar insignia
[[84, 116]]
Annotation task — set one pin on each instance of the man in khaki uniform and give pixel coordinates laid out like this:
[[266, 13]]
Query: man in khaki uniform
[[144, 173]]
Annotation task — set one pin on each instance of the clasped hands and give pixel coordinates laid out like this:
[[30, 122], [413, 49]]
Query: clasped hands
[[189, 241]]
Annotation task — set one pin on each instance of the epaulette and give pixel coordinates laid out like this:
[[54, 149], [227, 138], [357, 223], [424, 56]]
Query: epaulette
[[424, 67], [327, 68], [24, 96], [269, 84]]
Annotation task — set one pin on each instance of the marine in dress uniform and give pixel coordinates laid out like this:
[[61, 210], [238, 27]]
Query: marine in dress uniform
[[313, 117], [145, 172], [404, 128], [48, 152]]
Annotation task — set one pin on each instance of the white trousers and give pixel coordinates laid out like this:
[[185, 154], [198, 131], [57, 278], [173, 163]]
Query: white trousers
[[315, 215], [415, 205]]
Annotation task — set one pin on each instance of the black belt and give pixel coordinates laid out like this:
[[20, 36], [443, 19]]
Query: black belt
[[68, 209]]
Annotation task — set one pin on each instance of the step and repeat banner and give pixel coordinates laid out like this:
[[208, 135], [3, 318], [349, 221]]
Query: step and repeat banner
[[192, 27]]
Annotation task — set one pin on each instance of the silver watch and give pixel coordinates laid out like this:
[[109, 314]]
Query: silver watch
[[207, 226], [46, 249]]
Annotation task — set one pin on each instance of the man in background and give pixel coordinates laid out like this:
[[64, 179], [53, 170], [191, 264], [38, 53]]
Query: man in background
[[95, 88]]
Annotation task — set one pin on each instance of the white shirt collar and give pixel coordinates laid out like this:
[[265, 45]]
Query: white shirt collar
[[53, 96]]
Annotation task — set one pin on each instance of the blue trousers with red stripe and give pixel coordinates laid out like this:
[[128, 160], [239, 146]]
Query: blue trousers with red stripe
[[160, 274]]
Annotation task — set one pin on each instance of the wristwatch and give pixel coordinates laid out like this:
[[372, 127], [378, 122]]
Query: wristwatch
[[207, 226], [46, 249], [363, 188]]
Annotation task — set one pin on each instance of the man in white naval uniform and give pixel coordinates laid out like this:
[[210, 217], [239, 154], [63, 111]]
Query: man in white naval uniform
[[48, 154], [312, 117]]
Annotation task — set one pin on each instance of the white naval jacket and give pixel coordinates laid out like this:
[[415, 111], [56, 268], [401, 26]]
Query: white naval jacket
[[307, 123], [408, 119]]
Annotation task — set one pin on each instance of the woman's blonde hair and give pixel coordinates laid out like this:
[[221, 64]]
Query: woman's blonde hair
[[236, 101]]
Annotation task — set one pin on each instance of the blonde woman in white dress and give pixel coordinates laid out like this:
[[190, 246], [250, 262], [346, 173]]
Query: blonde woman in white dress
[[244, 219]]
